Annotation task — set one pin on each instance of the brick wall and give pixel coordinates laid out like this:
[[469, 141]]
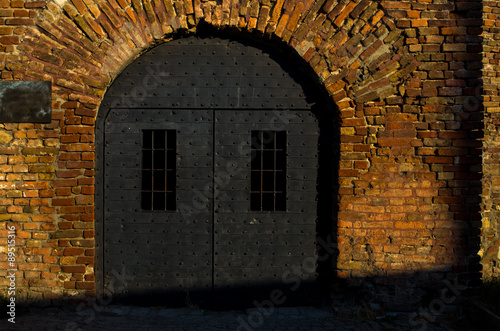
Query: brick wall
[[406, 79], [490, 235]]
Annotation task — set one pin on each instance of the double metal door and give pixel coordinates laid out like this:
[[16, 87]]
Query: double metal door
[[211, 207]]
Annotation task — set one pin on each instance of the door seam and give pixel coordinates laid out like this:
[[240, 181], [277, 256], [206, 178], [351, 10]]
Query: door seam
[[213, 206]]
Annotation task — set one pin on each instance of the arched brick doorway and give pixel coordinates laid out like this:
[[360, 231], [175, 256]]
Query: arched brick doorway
[[214, 182]]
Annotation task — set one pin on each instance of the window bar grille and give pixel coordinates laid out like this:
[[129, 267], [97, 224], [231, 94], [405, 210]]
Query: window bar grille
[[268, 171], [158, 170]]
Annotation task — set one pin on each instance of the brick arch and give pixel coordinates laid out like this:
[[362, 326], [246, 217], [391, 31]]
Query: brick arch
[[82, 45], [409, 184], [355, 49]]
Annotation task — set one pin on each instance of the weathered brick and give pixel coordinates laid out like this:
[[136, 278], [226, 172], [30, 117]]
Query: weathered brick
[[66, 234], [111, 15], [84, 200], [84, 285], [19, 21], [9, 40], [294, 18], [403, 78], [85, 260], [63, 202], [80, 6], [68, 173], [73, 269], [73, 251], [35, 4], [343, 15]]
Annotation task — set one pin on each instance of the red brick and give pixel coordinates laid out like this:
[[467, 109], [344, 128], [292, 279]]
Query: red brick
[[439, 160], [69, 284], [73, 251], [39, 202], [19, 21], [89, 260], [85, 200], [42, 218], [348, 173], [85, 181], [80, 6], [65, 225], [17, 3], [21, 13], [72, 209], [361, 164], [64, 243], [84, 285], [9, 40], [88, 234], [5, 30], [450, 91], [63, 201], [394, 142], [343, 15], [413, 14], [68, 139], [63, 191], [49, 259], [79, 147], [353, 122], [70, 156], [35, 4], [73, 269], [448, 200], [64, 183], [88, 190], [68, 173]]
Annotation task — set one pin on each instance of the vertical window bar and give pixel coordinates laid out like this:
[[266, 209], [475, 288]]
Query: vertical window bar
[[152, 187], [261, 146], [274, 170]]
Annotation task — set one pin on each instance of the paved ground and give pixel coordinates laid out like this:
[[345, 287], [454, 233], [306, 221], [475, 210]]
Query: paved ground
[[115, 318]]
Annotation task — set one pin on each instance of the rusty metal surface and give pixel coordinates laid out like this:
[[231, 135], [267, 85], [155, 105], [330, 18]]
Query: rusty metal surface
[[25, 102]]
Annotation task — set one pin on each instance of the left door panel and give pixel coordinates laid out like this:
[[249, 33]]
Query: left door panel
[[166, 253]]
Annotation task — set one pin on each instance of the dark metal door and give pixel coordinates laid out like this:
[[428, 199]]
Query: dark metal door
[[244, 213], [265, 206], [165, 250], [207, 182]]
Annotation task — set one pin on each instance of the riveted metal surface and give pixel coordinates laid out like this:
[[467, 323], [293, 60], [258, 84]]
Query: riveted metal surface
[[214, 237], [162, 250], [210, 73], [213, 247], [255, 249]]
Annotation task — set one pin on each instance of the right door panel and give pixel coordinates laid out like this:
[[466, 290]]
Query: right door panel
[[265, 206]]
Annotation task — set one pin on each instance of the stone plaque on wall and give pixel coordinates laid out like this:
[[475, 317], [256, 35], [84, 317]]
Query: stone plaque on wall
[[25, 102]]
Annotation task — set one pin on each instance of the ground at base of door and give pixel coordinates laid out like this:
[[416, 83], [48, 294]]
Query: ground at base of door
[[115, 317]]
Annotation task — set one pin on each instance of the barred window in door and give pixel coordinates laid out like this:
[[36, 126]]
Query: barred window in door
[[158, 169], [268, 187]]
